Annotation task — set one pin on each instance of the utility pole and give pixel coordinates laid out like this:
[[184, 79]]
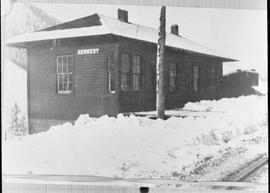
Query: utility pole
[[160, 102]]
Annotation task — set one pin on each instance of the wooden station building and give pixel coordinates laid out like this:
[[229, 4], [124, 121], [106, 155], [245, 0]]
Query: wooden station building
[[101, 65]]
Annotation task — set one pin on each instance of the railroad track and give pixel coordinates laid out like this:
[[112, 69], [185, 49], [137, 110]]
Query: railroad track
[[244, 173]]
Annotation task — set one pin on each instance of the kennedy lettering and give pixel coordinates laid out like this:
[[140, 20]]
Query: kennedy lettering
[[88, 51]]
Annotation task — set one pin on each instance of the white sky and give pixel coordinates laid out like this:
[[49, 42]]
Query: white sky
[[241, 34]]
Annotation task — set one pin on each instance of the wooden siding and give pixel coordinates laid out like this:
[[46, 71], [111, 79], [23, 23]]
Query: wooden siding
[[206, 87], [90, 79], [184, 77], [145, 99], [40, 125], [90, 89]]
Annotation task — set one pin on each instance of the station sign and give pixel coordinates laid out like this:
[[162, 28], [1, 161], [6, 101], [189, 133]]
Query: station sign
[[88, 51]]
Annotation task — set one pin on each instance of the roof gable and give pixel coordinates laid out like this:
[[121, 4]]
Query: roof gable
[[91, 20]]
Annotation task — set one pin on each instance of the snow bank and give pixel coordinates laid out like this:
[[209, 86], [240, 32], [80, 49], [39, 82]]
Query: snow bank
[[130, 146], [230, 104], [15, 84]]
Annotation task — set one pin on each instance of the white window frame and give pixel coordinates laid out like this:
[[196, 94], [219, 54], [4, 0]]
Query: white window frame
[[62, 73], [172, 76], [136, 72], [111, 62]]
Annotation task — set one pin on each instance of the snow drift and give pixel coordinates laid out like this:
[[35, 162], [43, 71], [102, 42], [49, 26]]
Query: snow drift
[[130, 146]]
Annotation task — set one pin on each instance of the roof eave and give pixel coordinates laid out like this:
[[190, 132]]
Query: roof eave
[[17, 45], [26, 45], [224, 59], [230, 60]]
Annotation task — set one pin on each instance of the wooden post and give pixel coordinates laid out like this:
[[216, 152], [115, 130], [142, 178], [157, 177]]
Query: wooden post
[[160, 103]]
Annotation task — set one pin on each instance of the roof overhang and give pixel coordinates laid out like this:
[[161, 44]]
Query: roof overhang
[[113, 26], [20, 43], [56, 34]]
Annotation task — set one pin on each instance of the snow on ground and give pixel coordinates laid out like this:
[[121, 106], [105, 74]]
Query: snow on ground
[[232, 160], [14, 90], [228, 105], [14, 86], [262, 87], [130, 146]]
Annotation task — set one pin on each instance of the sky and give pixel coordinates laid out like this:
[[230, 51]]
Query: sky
[[240, 34]]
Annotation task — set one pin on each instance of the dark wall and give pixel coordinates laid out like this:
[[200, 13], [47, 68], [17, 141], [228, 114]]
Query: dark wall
[[184, 79], [146, 98], [90, 84]]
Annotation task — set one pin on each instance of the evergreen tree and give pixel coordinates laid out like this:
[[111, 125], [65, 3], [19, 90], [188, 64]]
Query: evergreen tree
[[18, 126]]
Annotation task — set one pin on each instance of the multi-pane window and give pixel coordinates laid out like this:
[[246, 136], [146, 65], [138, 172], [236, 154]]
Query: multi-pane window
[[64, 73], [172, 77], [196, 76], [124, 72], [136, 72], [111, 72]]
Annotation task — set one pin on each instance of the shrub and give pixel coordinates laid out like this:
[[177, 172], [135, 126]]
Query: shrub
[[18, 123]]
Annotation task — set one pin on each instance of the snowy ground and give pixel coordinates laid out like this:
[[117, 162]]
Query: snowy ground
[[129, 146], [14, 86], [14, 91]]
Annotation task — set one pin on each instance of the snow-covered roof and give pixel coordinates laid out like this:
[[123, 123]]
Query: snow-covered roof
[[114, 26]]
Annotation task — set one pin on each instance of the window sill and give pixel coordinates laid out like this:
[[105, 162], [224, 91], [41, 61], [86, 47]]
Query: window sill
[[65, 93]]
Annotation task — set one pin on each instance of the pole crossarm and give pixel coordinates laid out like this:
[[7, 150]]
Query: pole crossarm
[[220, 4]]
